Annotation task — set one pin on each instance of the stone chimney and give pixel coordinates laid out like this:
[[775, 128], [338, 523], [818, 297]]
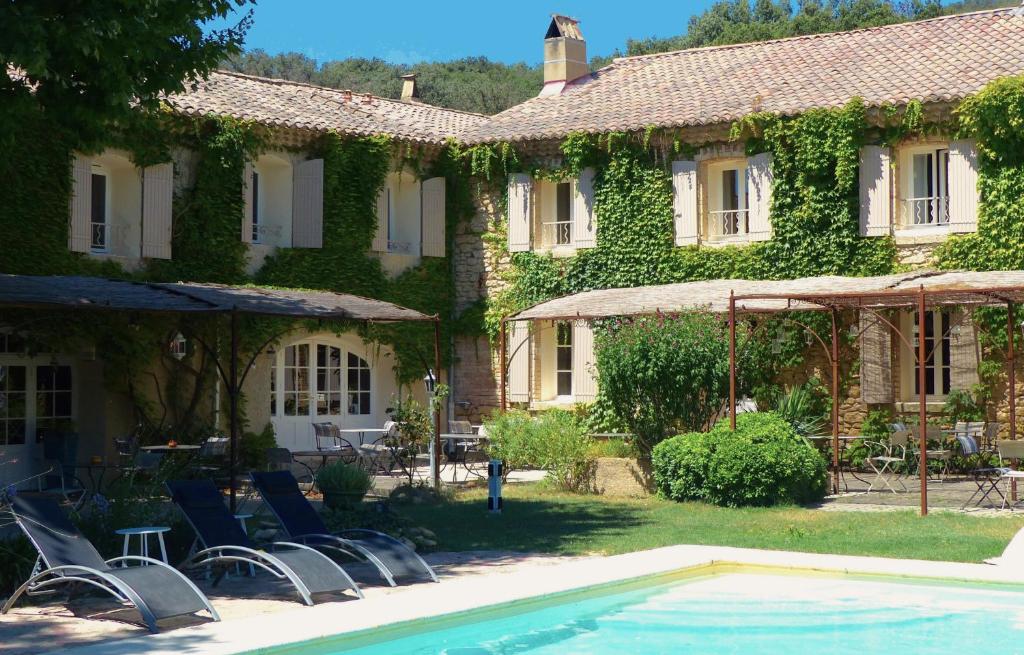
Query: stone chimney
[[409, 91], [565, 54]]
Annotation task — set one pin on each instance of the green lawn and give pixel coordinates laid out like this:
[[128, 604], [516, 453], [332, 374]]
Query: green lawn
[[538, 520]]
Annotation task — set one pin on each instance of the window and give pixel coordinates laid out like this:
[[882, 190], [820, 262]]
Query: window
[[256, 207], [728, 200], [401, 198], [926, 197], [53, 396], [99, 218], [328, 380], [13, 405], [272, 183], [563, 358], [358, 385], [555, 206], [296, 380], [11, 343], [937, 372]]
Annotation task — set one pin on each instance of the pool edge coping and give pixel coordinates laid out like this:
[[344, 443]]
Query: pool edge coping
[[425, 601]]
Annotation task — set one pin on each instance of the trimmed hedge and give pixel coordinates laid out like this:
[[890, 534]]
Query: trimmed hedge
[[764, 462]]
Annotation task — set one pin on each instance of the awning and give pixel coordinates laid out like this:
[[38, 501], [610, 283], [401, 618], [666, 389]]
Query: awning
[[810, 293]]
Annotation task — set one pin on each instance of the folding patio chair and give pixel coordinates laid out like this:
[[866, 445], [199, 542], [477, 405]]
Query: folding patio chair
[[155, 589], [393, 559], [986, 478], [223, 542], [884, 466]]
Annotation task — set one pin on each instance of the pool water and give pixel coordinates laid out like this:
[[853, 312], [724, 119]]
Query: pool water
[[741, 613]]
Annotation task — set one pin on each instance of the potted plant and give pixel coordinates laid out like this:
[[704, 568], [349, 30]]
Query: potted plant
[[343, 485]]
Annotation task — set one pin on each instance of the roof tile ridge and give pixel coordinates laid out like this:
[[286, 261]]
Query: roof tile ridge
[[1011, 10], [320, 87]]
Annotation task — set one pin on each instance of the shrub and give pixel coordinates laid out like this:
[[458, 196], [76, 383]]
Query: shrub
[[803, 410], [252, 448], [764, 462], [510, 438], [557, 441], [961, 406], [563, 447]]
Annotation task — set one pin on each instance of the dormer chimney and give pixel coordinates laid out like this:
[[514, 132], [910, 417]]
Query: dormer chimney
[[565, 53], [409, 91]]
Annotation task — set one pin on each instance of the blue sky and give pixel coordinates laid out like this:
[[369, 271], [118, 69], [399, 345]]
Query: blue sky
[[404, 31]]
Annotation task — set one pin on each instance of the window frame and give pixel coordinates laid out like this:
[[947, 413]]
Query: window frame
[[99, 170], [555, 232], [716, 213], [909, 203], [566, 345], [281, 408], [938, 366]]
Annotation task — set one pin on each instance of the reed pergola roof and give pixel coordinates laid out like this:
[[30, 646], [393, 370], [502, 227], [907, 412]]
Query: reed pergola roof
[[811, 293], [82, 292]]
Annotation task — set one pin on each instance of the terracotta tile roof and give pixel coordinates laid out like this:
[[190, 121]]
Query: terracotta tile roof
[[936, 60], [280, 103]]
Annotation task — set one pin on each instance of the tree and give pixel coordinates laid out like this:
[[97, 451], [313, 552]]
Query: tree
[[88, 65]]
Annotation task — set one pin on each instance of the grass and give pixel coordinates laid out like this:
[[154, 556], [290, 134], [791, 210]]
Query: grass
[[536, 519]]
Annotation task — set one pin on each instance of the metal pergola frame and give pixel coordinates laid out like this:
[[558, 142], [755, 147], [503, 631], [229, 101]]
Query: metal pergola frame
[[81, 293], [873, 301]]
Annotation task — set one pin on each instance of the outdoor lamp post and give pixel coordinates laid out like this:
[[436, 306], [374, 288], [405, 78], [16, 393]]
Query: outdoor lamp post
[[430, 383]]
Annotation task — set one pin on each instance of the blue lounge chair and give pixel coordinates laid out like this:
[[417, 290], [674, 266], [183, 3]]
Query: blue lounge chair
[[157, 590], [393, 559], [223, 542]]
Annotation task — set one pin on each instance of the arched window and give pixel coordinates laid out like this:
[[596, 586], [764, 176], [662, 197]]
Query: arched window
[[311, 378], [358, 385]]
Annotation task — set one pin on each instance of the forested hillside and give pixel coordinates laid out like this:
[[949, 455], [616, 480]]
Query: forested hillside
[[477, 84]]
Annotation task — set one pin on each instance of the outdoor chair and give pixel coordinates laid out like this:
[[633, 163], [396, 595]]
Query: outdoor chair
[[281, 459], [986, 478], [393, 559], [455, 449], [328, 437], [933, 433], [990, 438], [224, 543], [884, 466], [57, 479], [381, 455], [155, 589], [1012, 451]]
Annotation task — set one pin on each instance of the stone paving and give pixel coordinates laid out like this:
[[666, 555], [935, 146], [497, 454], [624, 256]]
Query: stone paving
[[948, 495]]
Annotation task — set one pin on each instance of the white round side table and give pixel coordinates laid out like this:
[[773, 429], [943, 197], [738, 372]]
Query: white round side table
[[143, 535]]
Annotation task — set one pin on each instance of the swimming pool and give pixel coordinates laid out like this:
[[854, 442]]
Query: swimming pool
[[720, 613]]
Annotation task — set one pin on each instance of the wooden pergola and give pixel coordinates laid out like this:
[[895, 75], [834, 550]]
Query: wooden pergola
[[81, 293], [915, 291]]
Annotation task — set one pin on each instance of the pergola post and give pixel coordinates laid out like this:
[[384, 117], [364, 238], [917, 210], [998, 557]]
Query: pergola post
[[1011, 368], [502, 372], [922, 357], [732, 360], [233, 412], [835, 401], [437, 409]]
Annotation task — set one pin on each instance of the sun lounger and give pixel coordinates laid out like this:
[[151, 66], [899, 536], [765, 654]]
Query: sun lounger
[[393, 559], [223, 542], [157, 590]]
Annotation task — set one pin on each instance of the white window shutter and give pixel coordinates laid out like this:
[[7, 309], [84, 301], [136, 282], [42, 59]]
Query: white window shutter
[[157, 199], [432, 222], [963, 186], [248, 203], [684, 202], [584, 384], [518, 361], [875, 191], [759, 176], [584, 220], [308, 204], [380, 237], [520, 211], [875, 360], [79, 226], [963, 351]]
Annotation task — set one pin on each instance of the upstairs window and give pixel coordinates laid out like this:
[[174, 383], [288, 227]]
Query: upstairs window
[[99, 215], [925, 201], [553, 204], [271, 185], [728, 200], [256, 227]]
